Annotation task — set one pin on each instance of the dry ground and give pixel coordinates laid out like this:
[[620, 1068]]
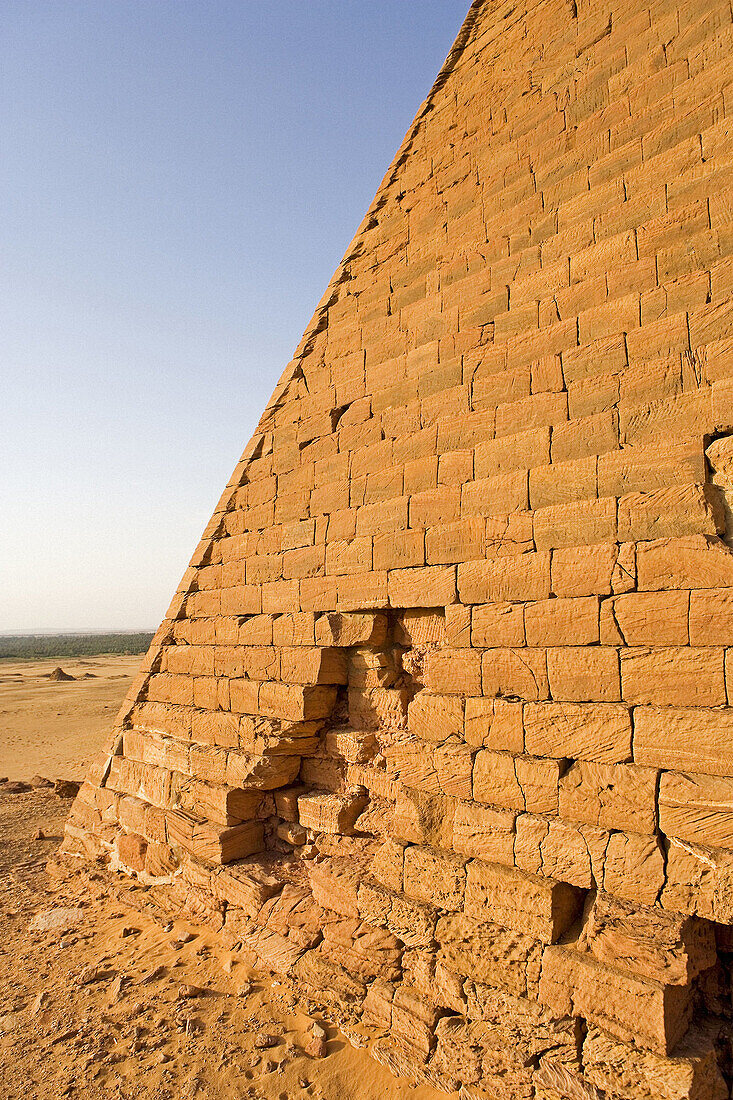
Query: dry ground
[[112, 1001], [53, 728]]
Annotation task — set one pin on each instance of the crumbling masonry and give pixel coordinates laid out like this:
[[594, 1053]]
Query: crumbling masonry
[[438, 722]]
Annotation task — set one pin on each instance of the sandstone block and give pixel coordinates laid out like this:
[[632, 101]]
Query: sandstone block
[[599, 731], [664, 947], [207, 842], [569, 853], [526, 577], [579, 674], [622, 1069], [433, 586], [247, 888], [302, 665], [489, 953], [684, 738], [697, 808], [562, 621], [711, 617], [610, 796], [334, 884], [437, 878], [413, 1019], [516, 783], [354, 747], [483, 833], [538, 906], [494, 724], [515, 673], [584, 570], [330, 813], [669, 676], [497, 624], [631, 1008], [295, 703], [695, 561], [131, 851], [419, 626], [387, 867], [669, 513], [263, 773], [633, 868], [380, 707], [645, 618], [578, 524], [453, 673]]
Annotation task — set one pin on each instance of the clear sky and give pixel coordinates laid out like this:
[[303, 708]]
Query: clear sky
[[178, 181]]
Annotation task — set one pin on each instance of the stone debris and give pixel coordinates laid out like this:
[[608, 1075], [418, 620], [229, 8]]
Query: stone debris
[[438, 725]]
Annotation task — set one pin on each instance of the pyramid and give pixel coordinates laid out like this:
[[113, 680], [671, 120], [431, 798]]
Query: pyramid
[[437, 722]]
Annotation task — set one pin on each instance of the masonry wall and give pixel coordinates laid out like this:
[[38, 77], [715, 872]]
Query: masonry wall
[[438, 722]]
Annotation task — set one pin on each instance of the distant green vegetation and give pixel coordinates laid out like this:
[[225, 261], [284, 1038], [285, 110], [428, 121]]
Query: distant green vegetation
[[72, 645]]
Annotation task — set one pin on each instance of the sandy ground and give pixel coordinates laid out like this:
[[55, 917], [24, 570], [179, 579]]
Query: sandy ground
[[105, 998], [53, 728]]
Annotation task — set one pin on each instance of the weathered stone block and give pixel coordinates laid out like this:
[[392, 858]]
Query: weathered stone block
[[538, 906]]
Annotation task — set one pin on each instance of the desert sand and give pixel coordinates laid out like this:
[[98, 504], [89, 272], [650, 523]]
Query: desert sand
[[101, 996], [53, 728]]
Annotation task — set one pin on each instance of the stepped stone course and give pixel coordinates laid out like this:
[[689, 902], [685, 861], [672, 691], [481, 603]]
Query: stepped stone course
[[439, 721]]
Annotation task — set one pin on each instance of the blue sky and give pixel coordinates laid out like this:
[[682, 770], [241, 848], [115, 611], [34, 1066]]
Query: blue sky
[[178, 181]]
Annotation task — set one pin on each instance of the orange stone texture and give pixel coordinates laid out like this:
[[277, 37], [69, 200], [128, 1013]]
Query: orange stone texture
[[439, 721]]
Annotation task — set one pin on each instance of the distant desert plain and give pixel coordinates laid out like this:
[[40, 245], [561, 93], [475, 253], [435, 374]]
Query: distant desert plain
[[53, 727]]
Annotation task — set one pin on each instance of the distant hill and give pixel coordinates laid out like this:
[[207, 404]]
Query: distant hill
[[72, 645]]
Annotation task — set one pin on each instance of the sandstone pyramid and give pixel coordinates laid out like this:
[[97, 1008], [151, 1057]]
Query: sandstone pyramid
[[437, 722]]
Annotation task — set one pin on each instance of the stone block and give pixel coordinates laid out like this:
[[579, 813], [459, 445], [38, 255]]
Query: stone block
[[711, 617], [631, 1008], [497, 624], [562, 621], [516, 783], [695, 561], [645, 618], [622, 1069], [692, 739], [483, 833], [633, 868], [526, 577], [569, 853], [433, 586], [672, 676], [584, 674], [610, 796], [434, 877], [580, 731], [330, 813], [665, 947], [453, 673], [436, 717], [697, 809], [578, 524], [515, 673], [539, 906], [490, 954], [494, 724]]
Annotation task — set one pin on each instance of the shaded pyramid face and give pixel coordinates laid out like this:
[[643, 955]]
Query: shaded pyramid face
[[438, 720]]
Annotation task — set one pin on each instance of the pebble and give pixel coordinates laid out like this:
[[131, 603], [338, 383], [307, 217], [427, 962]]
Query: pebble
[[264, 1040]]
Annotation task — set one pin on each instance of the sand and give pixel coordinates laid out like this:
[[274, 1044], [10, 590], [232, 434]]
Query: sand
[[122, 1004], [54, 727]]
